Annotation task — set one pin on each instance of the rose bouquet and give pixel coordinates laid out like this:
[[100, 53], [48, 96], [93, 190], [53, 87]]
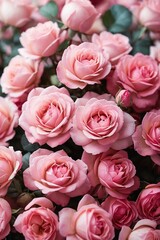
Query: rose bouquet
[[80, 120]]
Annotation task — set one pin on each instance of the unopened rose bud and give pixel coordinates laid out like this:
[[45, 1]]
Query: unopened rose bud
[[23, 199], [123, 98]]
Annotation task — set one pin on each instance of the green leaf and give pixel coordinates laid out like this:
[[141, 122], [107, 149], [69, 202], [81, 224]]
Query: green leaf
[[142, 46], [27, 146], [49, 10], [25, 161], [117, 19]]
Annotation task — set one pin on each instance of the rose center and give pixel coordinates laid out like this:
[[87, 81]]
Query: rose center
[[97, 225], [60, 170]]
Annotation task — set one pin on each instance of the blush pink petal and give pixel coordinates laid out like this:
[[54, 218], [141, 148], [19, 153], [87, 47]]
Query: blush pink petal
[[66, 216], [59, 198], [41, 201]]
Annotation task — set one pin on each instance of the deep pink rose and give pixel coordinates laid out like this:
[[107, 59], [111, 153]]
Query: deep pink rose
[[148, 203], [16, 13], [20, 76], [144, 229], [79, 15], [99, 124], [10, 163], [116, 45], [87, 65], [57, 175], [103, 5], [42, 40], [46, 116], [123, 211], [90, 221], [114, 171], [8, 120], [147, 136], [38, 221], [149, 14], [6, 214], [140, 75]]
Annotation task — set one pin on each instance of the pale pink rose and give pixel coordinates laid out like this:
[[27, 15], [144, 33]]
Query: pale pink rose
[[8, 120], [79, 15], [99, 124], [114, 171], [57, 175], [46, 116], [149, 14], [16, 13], [144, 229], [87, 65], [127, 4], [123, 98], [155, 51], [140, 75], [6, 214], [10, 163], [123, 211], [146, 138], [20, 76], [38, 221], [116, 45], [148, 202], [42, 40], [90, 221]]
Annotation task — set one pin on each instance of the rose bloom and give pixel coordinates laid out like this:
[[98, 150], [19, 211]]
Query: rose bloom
[[140, 75], [79, 15], [20, 76], [16, 13], [10, 163], [6, 214], [99, 124], [42, 40], [148, 202], [116, 45], [46, 116], [114, 171], [38, 221], [103, 5], [123, 211], [90, 221], [82, 65], [146, 138], [8, 120], [149, 14], [155, 51], [144, 229], [57, 175]]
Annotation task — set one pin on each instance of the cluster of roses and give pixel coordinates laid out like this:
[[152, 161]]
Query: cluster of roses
[[104, 124]]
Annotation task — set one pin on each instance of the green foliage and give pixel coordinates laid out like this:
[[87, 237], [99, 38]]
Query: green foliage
[[142, 46], [49, 10], [117, 19], [27, 146]]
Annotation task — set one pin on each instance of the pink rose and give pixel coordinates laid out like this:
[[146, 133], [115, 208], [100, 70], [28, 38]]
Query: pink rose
[[144, 229], [20, 76], [114, 171], [103, 5], [79, 15], [148, 202], [116, 45], [99, 124], [147, 136], [140, 75], [149, 14], [8, 120], [42, 40], [90, 221], [155, 51], [6, 214], [87, 65], [16, 13], [57, 175], [10, 163], [46, 116], [123, 212], [38, 221], [123, 98]]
